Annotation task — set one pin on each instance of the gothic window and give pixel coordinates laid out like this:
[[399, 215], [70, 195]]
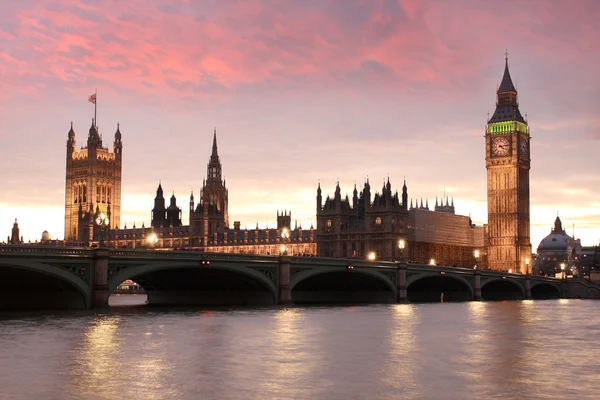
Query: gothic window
[[108, 193], [329, 223], [378, 221], [84, 193], [97, 193]]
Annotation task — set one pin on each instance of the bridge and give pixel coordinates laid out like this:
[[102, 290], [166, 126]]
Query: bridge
[[36, 277]]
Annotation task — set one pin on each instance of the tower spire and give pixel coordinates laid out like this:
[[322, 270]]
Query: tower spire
[[214, 146], [506, 85]]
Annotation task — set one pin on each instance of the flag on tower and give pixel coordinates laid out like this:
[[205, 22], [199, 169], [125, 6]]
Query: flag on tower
[[92, 98]]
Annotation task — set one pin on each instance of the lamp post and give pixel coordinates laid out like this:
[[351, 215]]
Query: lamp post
[[401, 246], [476, 255], [372, 256], [285, 235], [102, 221], [562, 269], [152, 239], [527, 266]]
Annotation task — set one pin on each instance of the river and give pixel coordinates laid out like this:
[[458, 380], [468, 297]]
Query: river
[[477, 350]]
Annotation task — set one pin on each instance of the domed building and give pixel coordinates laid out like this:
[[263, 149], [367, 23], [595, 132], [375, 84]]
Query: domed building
[[558, 249]]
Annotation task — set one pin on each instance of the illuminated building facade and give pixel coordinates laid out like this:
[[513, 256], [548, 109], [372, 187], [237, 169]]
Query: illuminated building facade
[[208, 229], [362, 227], [92, 185], [560, 252], [444, 238], [507, 144]]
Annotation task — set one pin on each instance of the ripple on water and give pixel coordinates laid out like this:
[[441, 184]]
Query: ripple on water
[[491, 350]]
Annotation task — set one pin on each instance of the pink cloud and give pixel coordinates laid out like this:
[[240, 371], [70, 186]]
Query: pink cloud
[[341, 87]]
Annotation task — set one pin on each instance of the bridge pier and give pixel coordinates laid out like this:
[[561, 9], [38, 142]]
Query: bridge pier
[[477, 285], [100, 279], [528, 287], [285, 290], [401, 289]]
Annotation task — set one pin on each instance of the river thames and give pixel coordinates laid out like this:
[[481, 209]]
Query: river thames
[[477, 350]]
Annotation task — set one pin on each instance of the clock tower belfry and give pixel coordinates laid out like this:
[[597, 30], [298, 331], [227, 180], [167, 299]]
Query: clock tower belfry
[[508, 162]]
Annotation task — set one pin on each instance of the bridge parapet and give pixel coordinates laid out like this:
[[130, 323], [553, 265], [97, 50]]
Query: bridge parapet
[[46, 250], [186, 255]]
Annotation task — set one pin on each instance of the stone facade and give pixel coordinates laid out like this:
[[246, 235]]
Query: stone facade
[[92, 185], [507, 142], [378, 227], [444, 238], [208, 229], [364, 226]]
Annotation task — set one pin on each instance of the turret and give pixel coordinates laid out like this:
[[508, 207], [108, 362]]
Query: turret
[[191, 202], [14, 237], [159, 210], [319, 198], [338, 192], [71, 142], [118, 144], [94, 140], [173, 213], [367, 193], [214, 169], [405, 196]]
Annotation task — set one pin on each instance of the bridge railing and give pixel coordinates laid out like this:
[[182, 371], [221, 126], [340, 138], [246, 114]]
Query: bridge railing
[[187, 255], [45, 250]]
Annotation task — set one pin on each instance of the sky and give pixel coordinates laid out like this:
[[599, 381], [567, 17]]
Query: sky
[[300, 92]]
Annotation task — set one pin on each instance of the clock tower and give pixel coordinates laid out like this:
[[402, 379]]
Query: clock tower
[[508, 162]]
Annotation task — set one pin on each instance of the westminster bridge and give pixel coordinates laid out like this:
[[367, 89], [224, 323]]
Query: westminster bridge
[[38, 277]]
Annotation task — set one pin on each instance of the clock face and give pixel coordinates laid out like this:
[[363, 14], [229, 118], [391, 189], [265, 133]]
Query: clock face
[[524, 148], [500, 146]]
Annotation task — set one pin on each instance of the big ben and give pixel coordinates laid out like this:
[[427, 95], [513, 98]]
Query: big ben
[[508, 159]]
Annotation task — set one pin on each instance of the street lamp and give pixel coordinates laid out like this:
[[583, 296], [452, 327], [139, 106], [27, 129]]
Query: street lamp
[[527, 266], [102, 221], [152, 239], [371, 256], [432, 262], [285, 235], [476, 255], [401, 246], [562, 269]]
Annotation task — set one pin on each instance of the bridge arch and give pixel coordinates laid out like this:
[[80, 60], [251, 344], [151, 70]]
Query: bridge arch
[[28, 284], [545, 290], [502, 289], [342, 285], [184, 282], [429, 286]]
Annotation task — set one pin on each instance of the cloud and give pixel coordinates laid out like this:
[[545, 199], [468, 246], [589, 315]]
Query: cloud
[[301, 90]]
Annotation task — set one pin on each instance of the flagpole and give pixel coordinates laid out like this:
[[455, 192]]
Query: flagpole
[[95, 108]]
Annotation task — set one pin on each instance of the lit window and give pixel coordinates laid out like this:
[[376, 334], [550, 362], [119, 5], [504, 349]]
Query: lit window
[[329, 223], [378, 221]]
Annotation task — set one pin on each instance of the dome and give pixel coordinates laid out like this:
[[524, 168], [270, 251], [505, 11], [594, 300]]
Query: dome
[[557, 240]]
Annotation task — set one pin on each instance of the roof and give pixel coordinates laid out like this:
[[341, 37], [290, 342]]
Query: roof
[[507, 113], [507, 107], [506, 85]]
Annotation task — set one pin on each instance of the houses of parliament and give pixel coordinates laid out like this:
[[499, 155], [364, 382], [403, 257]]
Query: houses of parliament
[[373, 223]]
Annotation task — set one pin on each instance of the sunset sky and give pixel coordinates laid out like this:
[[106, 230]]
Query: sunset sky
[[300, 91]]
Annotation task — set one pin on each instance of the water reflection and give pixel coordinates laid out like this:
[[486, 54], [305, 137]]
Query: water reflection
[[97, 359], [479, 350], [290, 365], [403, 365]]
